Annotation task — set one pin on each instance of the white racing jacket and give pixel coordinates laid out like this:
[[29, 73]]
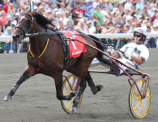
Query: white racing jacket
[[138, 50]]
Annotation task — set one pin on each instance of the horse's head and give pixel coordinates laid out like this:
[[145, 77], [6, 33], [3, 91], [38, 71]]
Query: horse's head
[[24, 24]]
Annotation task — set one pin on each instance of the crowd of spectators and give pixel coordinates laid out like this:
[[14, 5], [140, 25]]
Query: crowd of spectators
[[88, 16]]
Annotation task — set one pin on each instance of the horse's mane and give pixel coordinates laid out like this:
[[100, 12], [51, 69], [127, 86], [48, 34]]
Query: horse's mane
[[42, 21]]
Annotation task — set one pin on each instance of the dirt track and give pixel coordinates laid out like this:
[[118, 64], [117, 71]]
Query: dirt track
[[35, 100]]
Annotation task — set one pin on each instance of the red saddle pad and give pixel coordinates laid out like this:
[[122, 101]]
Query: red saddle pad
[[75, 47]]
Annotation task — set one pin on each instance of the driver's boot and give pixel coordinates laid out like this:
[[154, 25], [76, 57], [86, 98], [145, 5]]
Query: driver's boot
[[114, 68]]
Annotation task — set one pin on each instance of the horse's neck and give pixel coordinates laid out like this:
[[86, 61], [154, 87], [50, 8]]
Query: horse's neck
[[38, 43]]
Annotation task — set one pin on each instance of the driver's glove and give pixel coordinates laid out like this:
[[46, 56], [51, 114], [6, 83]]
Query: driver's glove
[[110, 49]]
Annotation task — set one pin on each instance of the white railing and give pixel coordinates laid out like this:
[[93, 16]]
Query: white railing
[[126, 35]]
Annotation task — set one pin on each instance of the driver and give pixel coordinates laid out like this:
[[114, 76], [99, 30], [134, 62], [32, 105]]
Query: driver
[[133, 54]]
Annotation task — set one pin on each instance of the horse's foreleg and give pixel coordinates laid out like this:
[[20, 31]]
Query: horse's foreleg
[[58, 83], [29, 71]]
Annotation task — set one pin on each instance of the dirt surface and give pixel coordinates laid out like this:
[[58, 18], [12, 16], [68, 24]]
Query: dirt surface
[[35, 100]]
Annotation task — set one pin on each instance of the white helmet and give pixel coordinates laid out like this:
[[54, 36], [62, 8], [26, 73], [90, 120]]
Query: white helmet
[[142, 31]]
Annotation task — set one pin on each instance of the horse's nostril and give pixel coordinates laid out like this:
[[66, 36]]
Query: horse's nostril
[[16, 37]]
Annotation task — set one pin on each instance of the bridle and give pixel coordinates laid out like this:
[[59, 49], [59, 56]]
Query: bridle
[[30, 24]]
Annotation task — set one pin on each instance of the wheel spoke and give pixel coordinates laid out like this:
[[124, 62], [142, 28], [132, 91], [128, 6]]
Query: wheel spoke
[[140, 89], [140, 85], [74, 88], [136, 105], [67, 87], [142, 107], [70, 104], [136, 97], [148, 95]]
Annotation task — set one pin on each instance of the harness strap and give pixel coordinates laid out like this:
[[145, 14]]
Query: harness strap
[[22, 28], [44, 48], [42, 51], [64, 45], [56, 40], [36, 59]]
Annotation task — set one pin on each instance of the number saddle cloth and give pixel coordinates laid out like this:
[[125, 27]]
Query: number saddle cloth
[[75, 47]]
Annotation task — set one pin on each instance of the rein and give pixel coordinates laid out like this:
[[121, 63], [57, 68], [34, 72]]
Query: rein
[[59, 32]]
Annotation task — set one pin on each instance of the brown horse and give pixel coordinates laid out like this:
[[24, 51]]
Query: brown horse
[[46, 55]]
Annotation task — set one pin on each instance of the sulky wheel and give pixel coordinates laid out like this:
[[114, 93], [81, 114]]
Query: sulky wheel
[[67, 104], [139, 107]]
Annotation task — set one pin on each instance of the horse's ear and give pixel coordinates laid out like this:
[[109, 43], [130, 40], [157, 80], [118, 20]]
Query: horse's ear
[[34, 12]]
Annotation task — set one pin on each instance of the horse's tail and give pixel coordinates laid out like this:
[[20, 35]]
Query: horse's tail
[[99, 46]]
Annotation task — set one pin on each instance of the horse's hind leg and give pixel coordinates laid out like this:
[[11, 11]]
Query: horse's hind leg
[[76, 101], [91, 84], [29, 71], [83, 86]]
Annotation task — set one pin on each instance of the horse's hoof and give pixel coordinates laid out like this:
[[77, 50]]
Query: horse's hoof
[[100, 87], [74, 109], [7, 97], [95, 91], [76, 101], [72, 94]]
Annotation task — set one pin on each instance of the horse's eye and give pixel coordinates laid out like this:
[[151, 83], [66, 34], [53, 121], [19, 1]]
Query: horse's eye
[[28, 22]]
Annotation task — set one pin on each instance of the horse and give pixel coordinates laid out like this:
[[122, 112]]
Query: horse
[[46, 56]]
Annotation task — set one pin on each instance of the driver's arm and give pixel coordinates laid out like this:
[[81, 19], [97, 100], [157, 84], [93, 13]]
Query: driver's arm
[[138, 60]]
